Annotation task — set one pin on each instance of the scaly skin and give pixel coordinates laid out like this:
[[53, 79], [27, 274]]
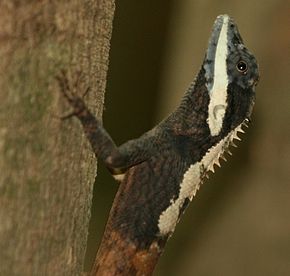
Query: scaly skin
[[161, 171]]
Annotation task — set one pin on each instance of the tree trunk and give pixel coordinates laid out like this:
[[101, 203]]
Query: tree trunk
[[47, 169]]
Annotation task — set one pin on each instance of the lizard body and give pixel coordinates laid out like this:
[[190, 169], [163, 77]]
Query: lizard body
[[162, 170]]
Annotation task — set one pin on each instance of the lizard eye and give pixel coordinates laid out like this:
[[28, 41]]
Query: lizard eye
[[242, 67]]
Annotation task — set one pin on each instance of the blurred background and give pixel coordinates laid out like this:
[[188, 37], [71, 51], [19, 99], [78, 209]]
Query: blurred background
[[239, 222]]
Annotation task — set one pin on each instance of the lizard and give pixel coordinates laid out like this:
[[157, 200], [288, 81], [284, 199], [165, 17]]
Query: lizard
[[160, 172]]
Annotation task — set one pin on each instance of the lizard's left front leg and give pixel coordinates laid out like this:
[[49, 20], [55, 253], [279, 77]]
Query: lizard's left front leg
[[117, 159]]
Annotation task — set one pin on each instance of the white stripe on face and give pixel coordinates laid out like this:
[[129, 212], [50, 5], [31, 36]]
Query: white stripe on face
[[218, 93]]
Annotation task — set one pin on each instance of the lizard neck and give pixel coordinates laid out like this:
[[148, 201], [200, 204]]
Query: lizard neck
[[190, 117]]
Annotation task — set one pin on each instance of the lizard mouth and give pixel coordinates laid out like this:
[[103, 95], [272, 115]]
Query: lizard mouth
[[216, 73], [224, 36], [232, 38]]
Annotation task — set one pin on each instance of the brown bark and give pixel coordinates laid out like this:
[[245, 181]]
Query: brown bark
[[47, 170]]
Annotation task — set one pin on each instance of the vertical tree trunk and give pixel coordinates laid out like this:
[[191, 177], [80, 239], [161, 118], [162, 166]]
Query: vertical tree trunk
[[46, 167]]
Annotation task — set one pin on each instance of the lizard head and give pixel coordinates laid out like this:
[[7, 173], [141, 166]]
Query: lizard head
[[231, 74]]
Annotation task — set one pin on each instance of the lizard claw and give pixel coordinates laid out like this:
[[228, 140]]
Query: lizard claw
[[70, 94], [68, 116]]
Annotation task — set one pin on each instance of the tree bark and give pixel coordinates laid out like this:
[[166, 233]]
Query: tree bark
[[47, 169]]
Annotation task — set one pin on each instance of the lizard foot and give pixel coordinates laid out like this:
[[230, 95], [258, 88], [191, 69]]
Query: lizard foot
[[69, 91]]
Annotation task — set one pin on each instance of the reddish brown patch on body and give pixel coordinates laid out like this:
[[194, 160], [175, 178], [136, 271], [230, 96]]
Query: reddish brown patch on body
[[118, 256]]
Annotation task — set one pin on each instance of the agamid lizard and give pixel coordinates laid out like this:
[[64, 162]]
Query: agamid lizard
[[161, 171]]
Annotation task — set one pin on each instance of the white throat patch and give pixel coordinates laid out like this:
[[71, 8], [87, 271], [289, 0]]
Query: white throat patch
[[218, 93], [193, 178]]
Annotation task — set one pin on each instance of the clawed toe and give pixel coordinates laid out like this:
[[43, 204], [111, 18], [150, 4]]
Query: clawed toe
[[70, 93]]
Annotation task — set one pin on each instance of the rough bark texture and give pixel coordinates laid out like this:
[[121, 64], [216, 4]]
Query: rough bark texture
[[47, 168]]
